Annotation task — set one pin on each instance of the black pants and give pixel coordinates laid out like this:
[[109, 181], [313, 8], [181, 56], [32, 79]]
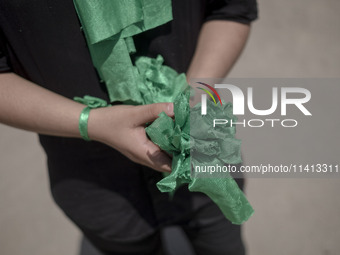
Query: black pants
[[206, 233]]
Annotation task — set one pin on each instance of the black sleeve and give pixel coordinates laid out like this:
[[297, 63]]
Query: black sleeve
[[4, 66], [243, 11]]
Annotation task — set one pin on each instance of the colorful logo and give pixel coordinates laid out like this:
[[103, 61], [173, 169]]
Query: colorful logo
[[209, 93]]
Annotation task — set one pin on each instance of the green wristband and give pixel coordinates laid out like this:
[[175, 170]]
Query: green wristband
[[91, 102], [83, 123]]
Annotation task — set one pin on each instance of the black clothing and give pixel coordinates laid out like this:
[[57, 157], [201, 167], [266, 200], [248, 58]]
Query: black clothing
[[114, 201], [45, 44]]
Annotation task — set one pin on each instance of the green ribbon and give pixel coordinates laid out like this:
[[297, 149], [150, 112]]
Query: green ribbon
[[91, 102], [108, 26]]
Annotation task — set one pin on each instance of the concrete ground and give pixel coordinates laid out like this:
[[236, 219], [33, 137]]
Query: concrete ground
[[292, 38]]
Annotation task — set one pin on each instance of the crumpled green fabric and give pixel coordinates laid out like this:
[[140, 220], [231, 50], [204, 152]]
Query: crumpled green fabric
[[201, 145], [108, 27]]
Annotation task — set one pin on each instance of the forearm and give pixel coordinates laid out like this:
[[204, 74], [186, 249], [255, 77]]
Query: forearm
[[220, 44], [28, 106]]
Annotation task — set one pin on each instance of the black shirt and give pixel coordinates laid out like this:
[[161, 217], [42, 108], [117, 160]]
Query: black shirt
[[96, 186]]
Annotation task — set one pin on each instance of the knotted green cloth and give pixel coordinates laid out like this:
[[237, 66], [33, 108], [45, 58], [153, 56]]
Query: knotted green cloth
[[92, 103], [108, 26], [201, 145]]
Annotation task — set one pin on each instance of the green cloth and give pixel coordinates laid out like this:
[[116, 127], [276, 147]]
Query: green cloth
[[109, 26], [201, 145]]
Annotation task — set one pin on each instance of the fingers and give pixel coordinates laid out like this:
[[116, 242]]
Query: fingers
[[160, 161], [148, 113], [156, 158], [130, 138]]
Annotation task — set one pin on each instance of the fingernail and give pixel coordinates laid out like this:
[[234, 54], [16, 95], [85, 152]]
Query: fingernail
[[171, 108], [168, 169]]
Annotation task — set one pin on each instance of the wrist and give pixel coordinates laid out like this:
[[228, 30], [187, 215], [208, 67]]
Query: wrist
[[92, 103], [95, 125]]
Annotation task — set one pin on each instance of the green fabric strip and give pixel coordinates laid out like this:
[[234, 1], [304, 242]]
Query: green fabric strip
[[109, 26], [83, 119], [91, 102]]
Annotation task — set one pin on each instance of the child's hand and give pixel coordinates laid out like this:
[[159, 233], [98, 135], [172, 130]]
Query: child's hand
[[122, 127]]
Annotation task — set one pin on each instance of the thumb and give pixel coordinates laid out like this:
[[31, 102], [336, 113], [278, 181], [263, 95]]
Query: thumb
[[149, 112]]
